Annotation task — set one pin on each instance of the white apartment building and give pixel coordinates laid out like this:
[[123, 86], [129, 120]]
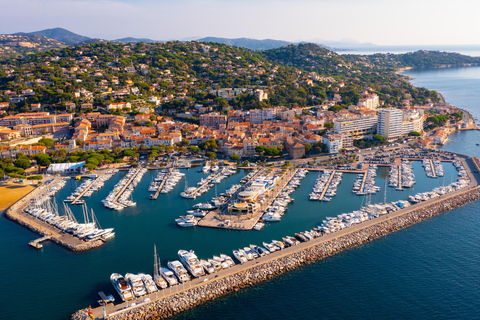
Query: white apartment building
[[390, 123], [369, 102], [335, 142], [255, 116], [412, 121], [356, 125], [212, 119]]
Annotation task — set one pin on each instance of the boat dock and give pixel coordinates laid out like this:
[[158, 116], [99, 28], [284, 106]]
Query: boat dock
[[434, 174], [218, 219], [37, 244], [234, 196], [328, 184], [155, 196], [16, 213], [364, 179], [80, 196], [399, 184], [207, 181], [126, 185]]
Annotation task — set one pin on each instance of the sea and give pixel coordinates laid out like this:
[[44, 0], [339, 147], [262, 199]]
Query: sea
[[427, 271]]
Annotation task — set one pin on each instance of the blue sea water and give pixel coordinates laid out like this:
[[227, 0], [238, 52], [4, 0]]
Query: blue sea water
[[427, 271]]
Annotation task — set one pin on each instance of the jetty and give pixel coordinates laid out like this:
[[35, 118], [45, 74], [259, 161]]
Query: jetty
[[399, 184], [118, 195], [328, 184], [16, 213], [80, 196], [155, 196], [37, 244], [168, 302], [434, 174], [364, 179], [219, 218]]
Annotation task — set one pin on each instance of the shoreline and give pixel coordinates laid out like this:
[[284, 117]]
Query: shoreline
[[241, 276]]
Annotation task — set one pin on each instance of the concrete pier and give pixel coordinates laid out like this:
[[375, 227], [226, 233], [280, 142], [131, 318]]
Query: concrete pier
[[126, 185], [328, 185], [155, 196]]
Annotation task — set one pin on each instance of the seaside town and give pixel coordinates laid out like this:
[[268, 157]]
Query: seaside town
[[248, 128]]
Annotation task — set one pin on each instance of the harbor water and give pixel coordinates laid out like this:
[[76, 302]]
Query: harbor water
[[429, 270]]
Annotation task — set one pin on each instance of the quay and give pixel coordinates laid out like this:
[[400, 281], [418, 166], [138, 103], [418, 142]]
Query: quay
[[126, 185], [171, 301], [434, 174], [327, 185], [364, 179], [399, 184], [16, 213], [212, 220], [37, 244], [80, 196], [155, 196]]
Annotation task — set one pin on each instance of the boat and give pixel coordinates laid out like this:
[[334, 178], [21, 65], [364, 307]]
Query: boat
[[169, 276], [160, 281], [191, 262], [240, 256], [208, 266], [250, 252], [148, 282], [204, 206], [136, 283], [122, 286], [177, 268]]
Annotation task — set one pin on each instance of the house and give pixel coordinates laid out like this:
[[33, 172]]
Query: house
[[36, 106], [70, 106], [119, 106]]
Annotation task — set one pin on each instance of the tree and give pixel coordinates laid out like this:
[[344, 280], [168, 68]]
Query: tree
[[193, 149], [308, 147], [414, 134], [79, 142], [23, 163], [128, 153], [212, 155], [329, 125], [47, 142], [379, 138], [234, 158], [43, 159]]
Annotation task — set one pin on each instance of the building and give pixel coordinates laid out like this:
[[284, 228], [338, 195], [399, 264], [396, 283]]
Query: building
[[336, 142], [390, 123], [355, 125], [9, 134], [213, 119], [295, 148], [119, 106], [412, 121], [369, 102], [25, 129]]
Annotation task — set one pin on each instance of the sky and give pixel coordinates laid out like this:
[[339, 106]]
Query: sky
[[381, 22]]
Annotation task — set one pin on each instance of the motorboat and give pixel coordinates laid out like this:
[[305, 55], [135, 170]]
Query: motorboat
[[191, 262], [122, 286], [136, 283], [209, 268], [177, 268], [169, 276], [148, 282], [240, 256]]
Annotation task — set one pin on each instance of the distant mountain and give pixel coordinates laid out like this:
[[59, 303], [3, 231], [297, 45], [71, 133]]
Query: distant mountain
[[15, 45], [59, 34], [130, 39], [253, 44]]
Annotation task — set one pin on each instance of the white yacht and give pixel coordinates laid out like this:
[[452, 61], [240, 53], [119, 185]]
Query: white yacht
[[169, 276], [181, 273], [209, 268], [190, 261], [136, 283], [240, 256], [148, 282], [121, 285]]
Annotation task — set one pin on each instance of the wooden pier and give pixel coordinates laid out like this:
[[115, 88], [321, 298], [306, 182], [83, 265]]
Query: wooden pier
[[155, 196], [364, 179], [37, 244]]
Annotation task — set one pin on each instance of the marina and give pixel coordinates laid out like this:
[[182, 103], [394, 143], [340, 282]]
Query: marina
[[399, 218]]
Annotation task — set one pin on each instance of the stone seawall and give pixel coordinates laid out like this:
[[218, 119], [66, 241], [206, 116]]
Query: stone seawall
[[171, 305]]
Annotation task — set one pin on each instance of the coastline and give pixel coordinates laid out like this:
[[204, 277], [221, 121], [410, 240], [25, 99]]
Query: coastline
[[241, 276]]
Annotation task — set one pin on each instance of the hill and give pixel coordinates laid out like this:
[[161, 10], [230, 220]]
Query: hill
[[131, 39], [20, 45], [59, 34], [248, 43]]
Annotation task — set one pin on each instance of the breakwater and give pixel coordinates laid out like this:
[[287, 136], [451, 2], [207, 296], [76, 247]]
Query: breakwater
[[287, 259]]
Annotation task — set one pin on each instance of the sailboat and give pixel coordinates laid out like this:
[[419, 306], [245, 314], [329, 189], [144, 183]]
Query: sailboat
[[157, 277], [187, 193]]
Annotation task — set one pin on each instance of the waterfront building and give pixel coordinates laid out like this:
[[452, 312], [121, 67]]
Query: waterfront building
[[390, 123], [358, 125], [412, 121], [335, 142]]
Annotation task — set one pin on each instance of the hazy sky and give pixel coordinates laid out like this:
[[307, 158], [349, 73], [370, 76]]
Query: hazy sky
[[383, 22]]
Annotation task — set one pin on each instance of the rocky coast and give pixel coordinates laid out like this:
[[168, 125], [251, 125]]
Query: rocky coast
[[288, 259]]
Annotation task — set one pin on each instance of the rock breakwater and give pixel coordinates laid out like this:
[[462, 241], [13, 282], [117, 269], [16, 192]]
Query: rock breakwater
[[163, 308]]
